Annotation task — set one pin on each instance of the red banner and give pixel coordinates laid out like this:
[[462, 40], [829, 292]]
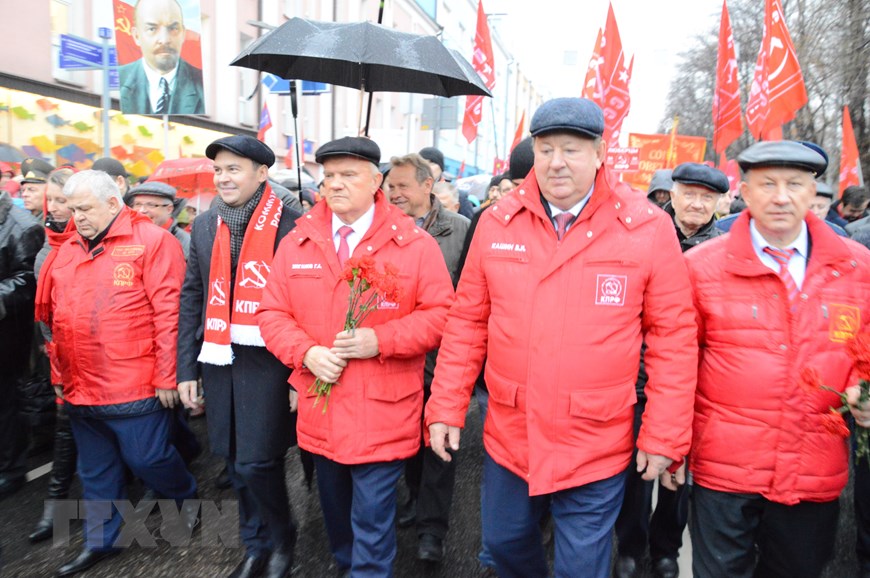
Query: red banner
[[727, 121], [653, 154], [607, 79], [778, 89], [484, 64], [849, 173], [518, 135]]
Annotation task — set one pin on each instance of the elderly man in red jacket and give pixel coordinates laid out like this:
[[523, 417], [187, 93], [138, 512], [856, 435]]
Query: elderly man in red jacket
[[370, 422], [112, 307], [777, 299], [565, 277]]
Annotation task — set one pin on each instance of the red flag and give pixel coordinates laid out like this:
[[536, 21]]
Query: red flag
[[461, 170], [778, 89], [849, 173], [265, 123], [731, 170], [484, 64], [727, 121], [518, 135], [608, 77], [592, 71]]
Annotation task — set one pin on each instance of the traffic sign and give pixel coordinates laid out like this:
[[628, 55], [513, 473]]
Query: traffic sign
[[275, 84]]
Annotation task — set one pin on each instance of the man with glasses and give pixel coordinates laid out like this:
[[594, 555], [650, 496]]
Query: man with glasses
[[156, 201]]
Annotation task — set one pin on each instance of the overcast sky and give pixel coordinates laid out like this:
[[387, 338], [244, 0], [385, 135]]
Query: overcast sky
[[540, 32]]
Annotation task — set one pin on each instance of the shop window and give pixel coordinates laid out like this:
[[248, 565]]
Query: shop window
[[248, 79]]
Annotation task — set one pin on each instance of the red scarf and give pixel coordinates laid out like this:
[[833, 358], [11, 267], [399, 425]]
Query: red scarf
[[223, 327], [44, 283]]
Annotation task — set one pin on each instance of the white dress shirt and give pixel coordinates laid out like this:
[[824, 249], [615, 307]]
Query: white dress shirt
[[360, 227], [797, 265], [154, 92], [575, 210]]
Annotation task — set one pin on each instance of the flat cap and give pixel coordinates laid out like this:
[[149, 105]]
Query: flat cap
[[782, 153], [155, 188], [433, 155], [110, 166], [244, 146], [579, 115], [522, 159], [823, 189], [661, 181], [698, 174], [350, 146], [35, 170]]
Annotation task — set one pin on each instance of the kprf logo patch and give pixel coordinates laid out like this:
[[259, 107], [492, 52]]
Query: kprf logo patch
[[123, 275], [610, 290], [845, 322]]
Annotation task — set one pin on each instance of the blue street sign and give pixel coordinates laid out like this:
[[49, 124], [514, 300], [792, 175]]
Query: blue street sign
[[81, 54], [275, 84], [309, 87]]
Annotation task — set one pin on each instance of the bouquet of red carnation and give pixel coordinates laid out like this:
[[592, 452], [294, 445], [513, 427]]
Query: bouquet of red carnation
[[368, 287], [858, 349]]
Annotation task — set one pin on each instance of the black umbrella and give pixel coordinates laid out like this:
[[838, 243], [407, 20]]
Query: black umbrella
[[10, 154], [361, 55]]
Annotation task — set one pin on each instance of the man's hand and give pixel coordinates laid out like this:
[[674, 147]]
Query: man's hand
[[443, 435], [294, 401], [361, 343], [324, 364], [188, 394], [654, 466], [860, 411], [675, 480], [168, 397]]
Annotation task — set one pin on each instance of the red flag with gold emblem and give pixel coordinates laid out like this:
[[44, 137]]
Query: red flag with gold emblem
[[727, 121], [484, 65], [849, 173], [778, 90]]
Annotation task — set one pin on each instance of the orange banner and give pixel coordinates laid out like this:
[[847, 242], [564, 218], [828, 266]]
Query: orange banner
[[653, 155]]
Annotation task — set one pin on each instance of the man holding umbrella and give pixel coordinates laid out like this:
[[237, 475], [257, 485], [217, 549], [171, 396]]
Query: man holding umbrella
[[250, 405]]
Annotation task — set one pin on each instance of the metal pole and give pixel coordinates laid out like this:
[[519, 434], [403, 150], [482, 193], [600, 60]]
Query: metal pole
[[105, 34], [294, 110], [369, 109]]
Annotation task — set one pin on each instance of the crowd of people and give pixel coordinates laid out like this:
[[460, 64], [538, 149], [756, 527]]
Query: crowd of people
[[613, 340]]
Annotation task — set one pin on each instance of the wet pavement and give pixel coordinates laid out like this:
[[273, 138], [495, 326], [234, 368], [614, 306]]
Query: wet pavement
[[22, 510]]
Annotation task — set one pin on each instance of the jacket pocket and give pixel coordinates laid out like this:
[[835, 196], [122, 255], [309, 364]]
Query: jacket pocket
[[394, 386], [119, 350], [603, 404], [504, 393]]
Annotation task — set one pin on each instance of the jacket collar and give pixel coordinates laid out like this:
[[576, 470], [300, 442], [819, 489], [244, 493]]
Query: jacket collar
[[826, 247]]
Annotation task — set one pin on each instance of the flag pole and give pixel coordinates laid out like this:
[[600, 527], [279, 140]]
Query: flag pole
[[494, 128], [369, 110]]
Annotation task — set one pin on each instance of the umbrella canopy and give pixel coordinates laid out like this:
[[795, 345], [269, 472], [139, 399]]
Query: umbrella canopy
[[361, 55], [188, 176], [10, 154]]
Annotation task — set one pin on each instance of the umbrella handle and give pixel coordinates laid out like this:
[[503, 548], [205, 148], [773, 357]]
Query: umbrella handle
[[294, 110]]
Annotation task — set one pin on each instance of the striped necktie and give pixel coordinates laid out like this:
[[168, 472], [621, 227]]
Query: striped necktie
[[563, 221], [783, 256], [163, 101]]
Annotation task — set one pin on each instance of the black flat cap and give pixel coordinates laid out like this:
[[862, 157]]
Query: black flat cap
[[433, 155], [782, 153], [350, 146], [579, 115], [110, 166], [155, 188], [823, 189], [698, 174], [35, 170], [661, 181], [522, 159], [244, 146]]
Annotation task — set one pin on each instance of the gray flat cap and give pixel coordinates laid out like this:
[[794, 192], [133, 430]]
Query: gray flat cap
[[155, 188], [823, 189], [783, 153], [350, 146], [578, 115], [661, 181], [698, 174]]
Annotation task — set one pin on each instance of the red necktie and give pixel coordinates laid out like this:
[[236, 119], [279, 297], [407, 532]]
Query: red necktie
[[783, 256], [343, 247], [563, 220]]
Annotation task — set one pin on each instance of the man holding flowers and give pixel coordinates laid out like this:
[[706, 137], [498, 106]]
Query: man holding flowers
[[780, 301], [360, 385]]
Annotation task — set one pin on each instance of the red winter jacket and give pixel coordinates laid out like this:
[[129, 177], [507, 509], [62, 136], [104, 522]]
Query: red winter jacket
[[561, 325], [756, 430], [375, 410], [116, 313]]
